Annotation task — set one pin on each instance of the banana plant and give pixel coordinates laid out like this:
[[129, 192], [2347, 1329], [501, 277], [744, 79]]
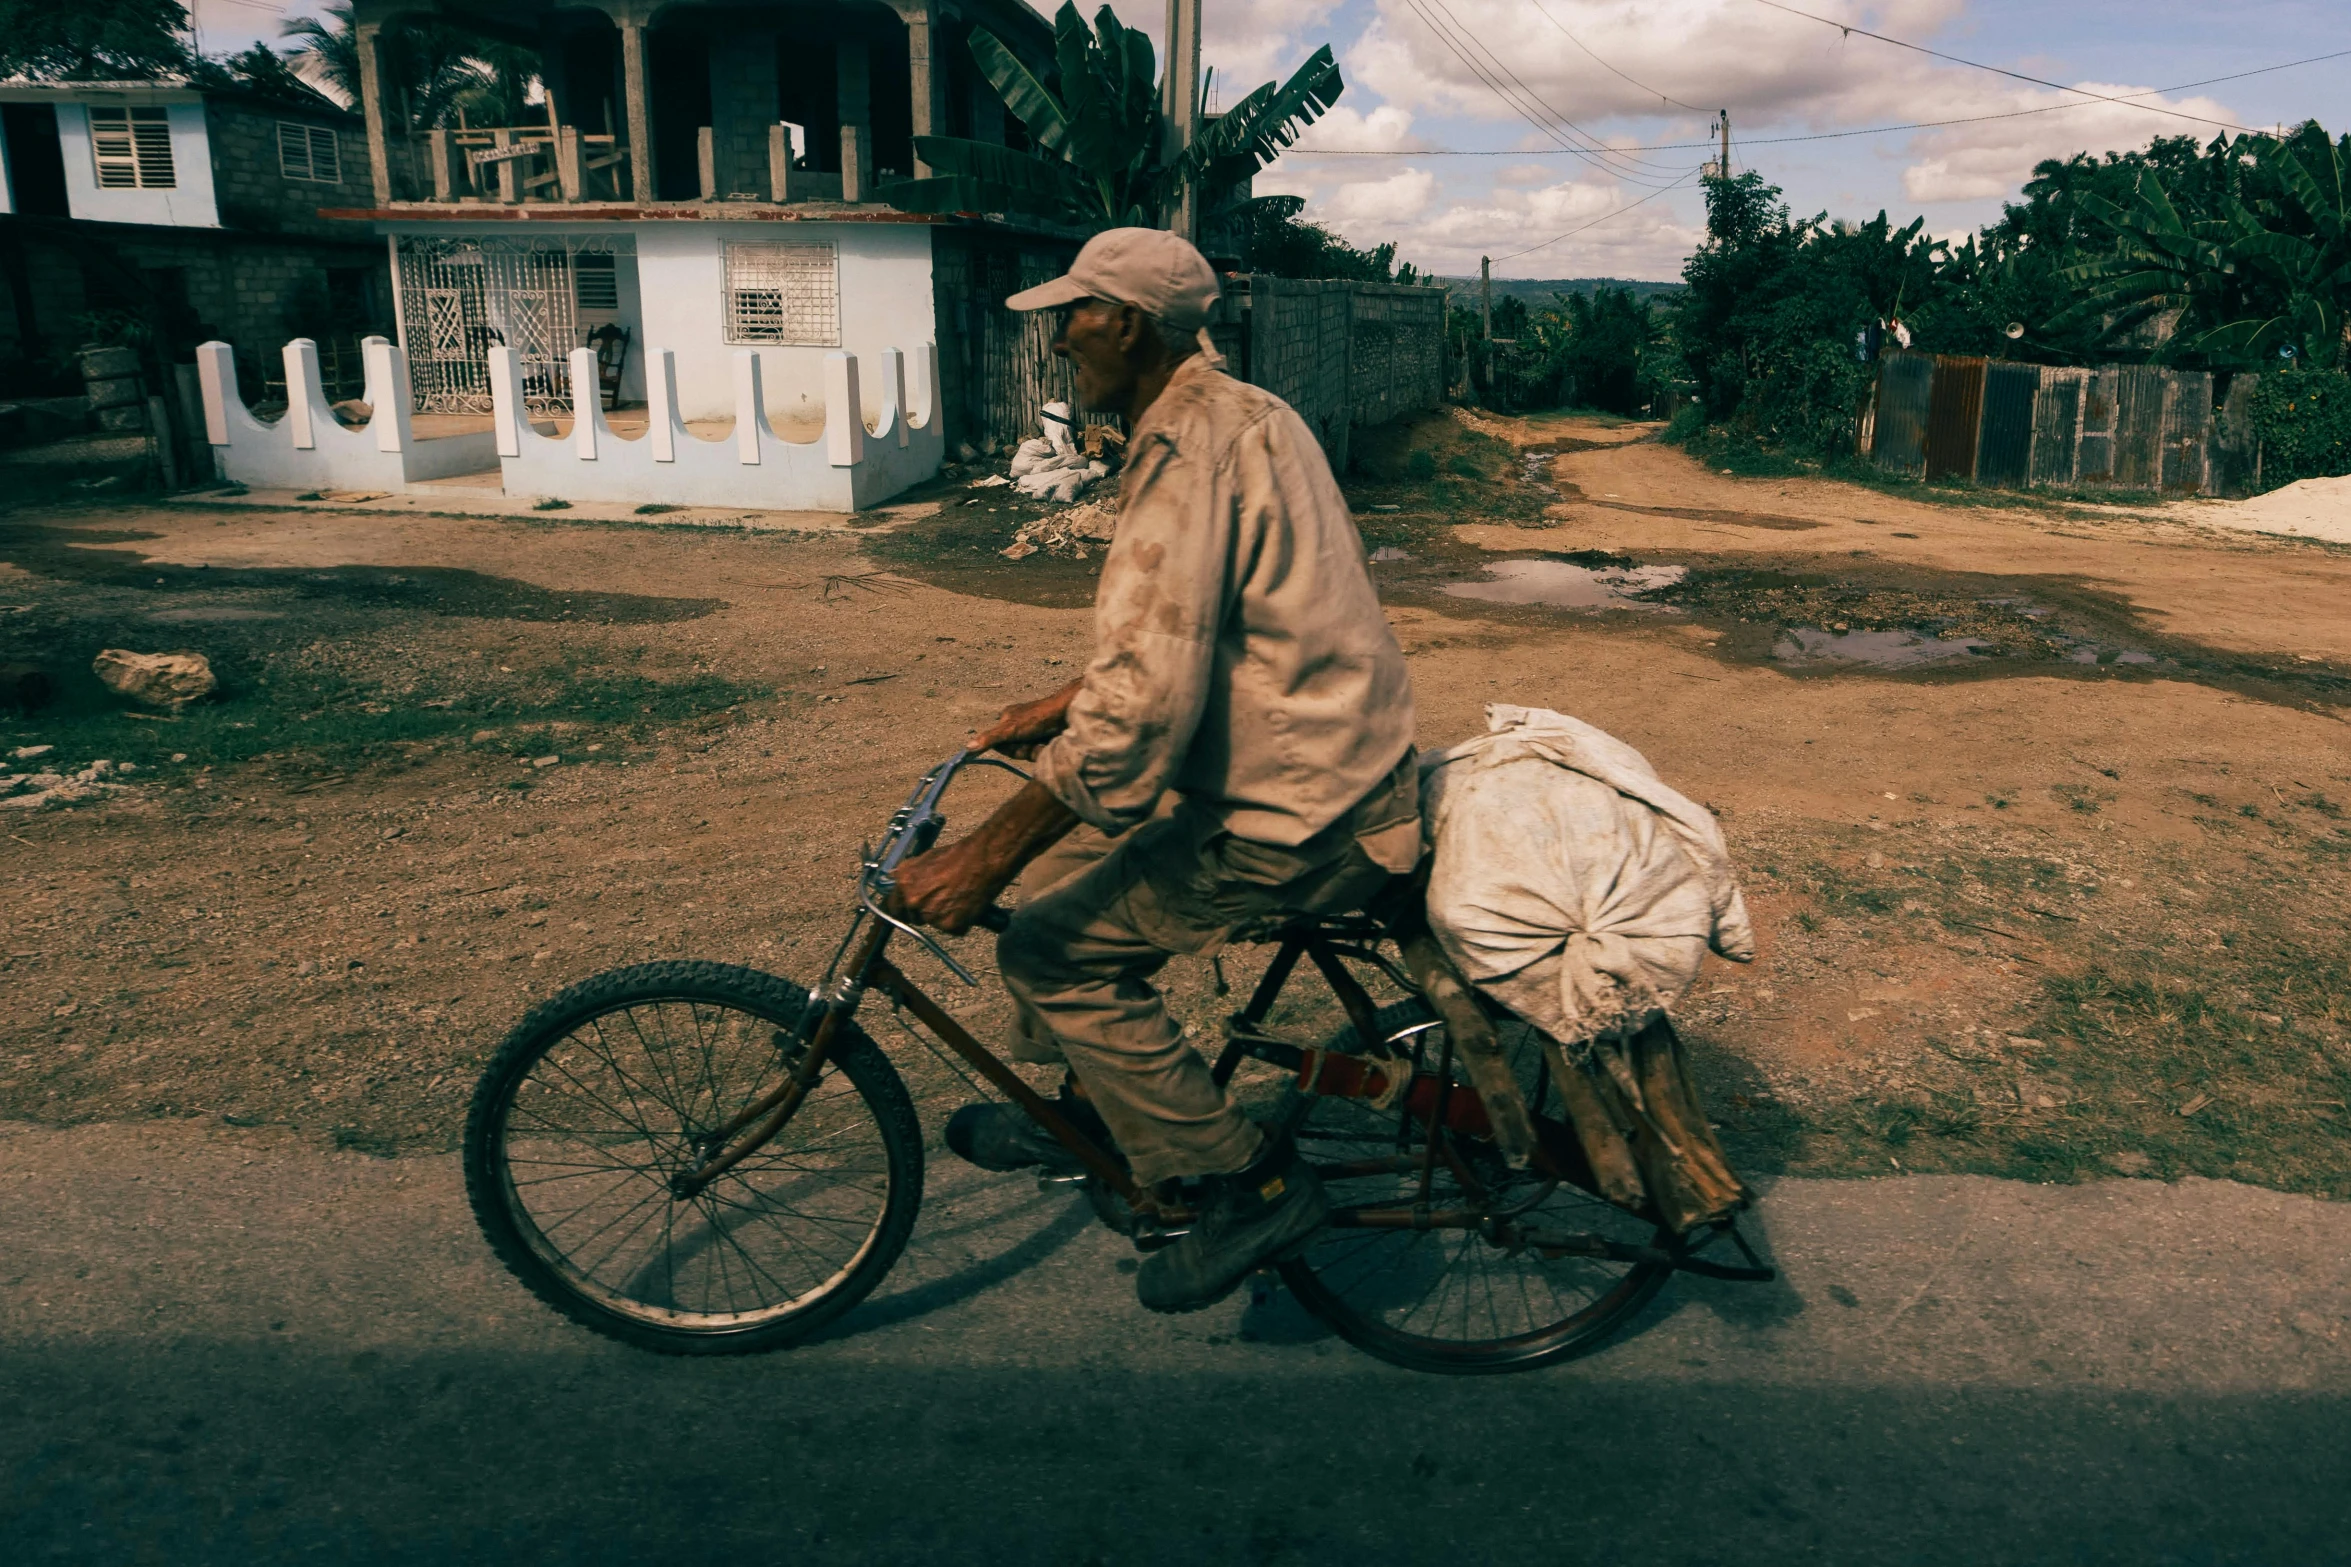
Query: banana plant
[[2246, 284], [1101, 138]]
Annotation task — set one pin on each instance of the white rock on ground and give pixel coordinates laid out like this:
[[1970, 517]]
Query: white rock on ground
[[167, 680]]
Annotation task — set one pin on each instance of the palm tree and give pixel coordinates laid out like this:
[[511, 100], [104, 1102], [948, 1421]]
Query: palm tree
[[329, 46], [438, 69]]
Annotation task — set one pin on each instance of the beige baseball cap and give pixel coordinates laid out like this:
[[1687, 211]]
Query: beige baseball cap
[[1159, 273]]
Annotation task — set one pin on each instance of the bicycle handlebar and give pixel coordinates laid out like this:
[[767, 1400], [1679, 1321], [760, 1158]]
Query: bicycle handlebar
[[913, 829]]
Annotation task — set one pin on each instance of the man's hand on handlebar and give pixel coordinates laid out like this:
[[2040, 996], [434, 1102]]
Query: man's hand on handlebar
[[1019, 730], [952, 889]]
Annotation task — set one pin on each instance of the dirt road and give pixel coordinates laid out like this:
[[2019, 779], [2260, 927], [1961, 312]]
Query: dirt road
[[2040, 810]]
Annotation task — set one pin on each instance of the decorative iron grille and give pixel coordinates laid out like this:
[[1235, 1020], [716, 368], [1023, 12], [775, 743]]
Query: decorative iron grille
[[784, 294], [461, 297]]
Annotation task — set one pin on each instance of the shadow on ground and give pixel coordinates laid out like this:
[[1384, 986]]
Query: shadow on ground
[[244, 1453]]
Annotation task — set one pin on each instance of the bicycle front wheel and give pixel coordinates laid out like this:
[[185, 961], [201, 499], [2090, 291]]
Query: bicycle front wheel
[[1518, 1276], [605, 1092]]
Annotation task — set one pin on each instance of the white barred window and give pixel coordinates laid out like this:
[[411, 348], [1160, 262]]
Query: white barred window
[[784, 294], [309, 152], [132, 148]]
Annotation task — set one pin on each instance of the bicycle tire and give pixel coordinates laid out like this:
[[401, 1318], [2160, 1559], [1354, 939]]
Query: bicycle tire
[[1349, 1304], [766, 1198]]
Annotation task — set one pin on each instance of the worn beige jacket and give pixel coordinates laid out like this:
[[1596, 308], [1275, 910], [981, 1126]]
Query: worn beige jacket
[[1240, 655]]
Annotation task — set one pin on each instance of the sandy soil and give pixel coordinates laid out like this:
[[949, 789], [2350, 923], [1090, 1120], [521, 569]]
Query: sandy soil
[[333, 947]]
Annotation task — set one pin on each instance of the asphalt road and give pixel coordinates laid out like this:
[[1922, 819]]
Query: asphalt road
[[222, 1346]]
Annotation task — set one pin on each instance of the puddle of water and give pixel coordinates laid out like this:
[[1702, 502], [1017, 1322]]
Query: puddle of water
[[2091, 655], [1565, 585], [1388, 552], [1875, 649]]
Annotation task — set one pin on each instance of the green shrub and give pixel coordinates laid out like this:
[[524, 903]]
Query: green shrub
[[2303, 420], [1422, 464]]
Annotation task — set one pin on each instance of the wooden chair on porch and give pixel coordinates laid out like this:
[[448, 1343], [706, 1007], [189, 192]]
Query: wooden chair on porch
[[611, 343]]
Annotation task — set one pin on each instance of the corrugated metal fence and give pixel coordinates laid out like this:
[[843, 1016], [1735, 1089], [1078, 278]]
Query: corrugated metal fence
[[2014, 426], [1342, 354]]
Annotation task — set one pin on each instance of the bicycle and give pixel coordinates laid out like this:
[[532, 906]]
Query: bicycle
[[701, 1158]]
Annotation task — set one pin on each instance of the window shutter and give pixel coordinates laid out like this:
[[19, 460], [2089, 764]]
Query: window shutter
[[293, 151], [110, 147], [132, 148], [151, 144], [326, 156], [309, 152]]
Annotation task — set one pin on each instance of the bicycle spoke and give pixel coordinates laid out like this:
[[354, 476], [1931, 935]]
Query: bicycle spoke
[[602, 1119]]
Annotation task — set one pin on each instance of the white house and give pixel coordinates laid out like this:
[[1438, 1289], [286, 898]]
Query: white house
[[704, 184]]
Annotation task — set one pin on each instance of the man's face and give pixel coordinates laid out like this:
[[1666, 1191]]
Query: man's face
[[1097, 336]]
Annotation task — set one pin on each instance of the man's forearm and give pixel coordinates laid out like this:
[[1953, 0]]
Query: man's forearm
[[952, 887], [1022, 828]]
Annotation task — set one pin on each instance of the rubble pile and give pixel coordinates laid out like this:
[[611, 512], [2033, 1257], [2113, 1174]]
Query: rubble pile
[[32, 791], [1067, 533]]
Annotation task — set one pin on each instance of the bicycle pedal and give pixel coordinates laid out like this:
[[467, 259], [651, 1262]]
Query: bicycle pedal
[[1158, 1240]]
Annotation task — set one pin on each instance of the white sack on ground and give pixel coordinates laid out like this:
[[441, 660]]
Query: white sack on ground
[[1569, 882]]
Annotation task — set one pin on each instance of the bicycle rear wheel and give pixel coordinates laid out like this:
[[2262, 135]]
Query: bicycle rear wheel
[[599, 1096], [1527, 1287]]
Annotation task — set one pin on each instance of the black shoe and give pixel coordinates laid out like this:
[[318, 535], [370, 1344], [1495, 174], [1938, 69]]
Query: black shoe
[[1243, 1221], [1002, 1137]]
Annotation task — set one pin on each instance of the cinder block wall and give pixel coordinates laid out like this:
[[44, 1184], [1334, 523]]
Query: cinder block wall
[[249, 182]]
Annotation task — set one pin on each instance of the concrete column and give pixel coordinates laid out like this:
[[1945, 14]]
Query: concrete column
[[1180, 97], [853, 71], [635, 88], [929, 74], [371, 107]]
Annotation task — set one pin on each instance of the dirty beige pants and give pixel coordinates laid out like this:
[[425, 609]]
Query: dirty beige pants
[[1103, 915]]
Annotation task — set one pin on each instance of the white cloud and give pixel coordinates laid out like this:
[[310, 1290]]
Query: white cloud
[[1993, 158], [1386, 129], [1776, 74], [1399, 197]]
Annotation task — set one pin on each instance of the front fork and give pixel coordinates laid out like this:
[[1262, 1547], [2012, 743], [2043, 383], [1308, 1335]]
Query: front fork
[[750, 1129]]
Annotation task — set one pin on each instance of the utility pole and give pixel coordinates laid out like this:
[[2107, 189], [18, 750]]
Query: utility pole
[[1485, 296], [1179, 100], [1722, 170]]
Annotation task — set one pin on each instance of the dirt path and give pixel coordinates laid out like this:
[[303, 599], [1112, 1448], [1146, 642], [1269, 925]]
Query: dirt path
[[2017, 913]]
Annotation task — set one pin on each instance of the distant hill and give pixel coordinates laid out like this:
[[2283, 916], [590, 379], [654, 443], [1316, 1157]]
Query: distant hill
[[1537, 292]]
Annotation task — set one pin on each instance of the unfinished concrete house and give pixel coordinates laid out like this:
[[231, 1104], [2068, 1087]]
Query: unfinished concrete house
[[700, 182]]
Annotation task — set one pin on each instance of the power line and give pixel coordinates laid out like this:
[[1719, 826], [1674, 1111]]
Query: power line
[[1762, 141], [1596, 222], [1580, 44], [1596, 153], [1589, 148], [1997, 70]]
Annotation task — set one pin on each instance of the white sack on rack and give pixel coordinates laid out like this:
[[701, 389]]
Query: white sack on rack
[[1569, 882]]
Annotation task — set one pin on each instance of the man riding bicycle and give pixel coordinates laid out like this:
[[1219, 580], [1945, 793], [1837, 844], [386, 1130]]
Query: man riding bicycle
[[1239, 748]]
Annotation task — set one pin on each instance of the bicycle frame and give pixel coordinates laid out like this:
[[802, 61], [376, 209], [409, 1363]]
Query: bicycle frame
[[861, 964]]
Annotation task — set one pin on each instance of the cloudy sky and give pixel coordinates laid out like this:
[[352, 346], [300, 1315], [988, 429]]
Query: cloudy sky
[[1495, 127]]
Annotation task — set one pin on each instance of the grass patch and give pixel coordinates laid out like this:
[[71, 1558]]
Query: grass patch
[[1436, 472], [2208, 1034], [331, 718], [2135, 1069], [1748, 458]]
